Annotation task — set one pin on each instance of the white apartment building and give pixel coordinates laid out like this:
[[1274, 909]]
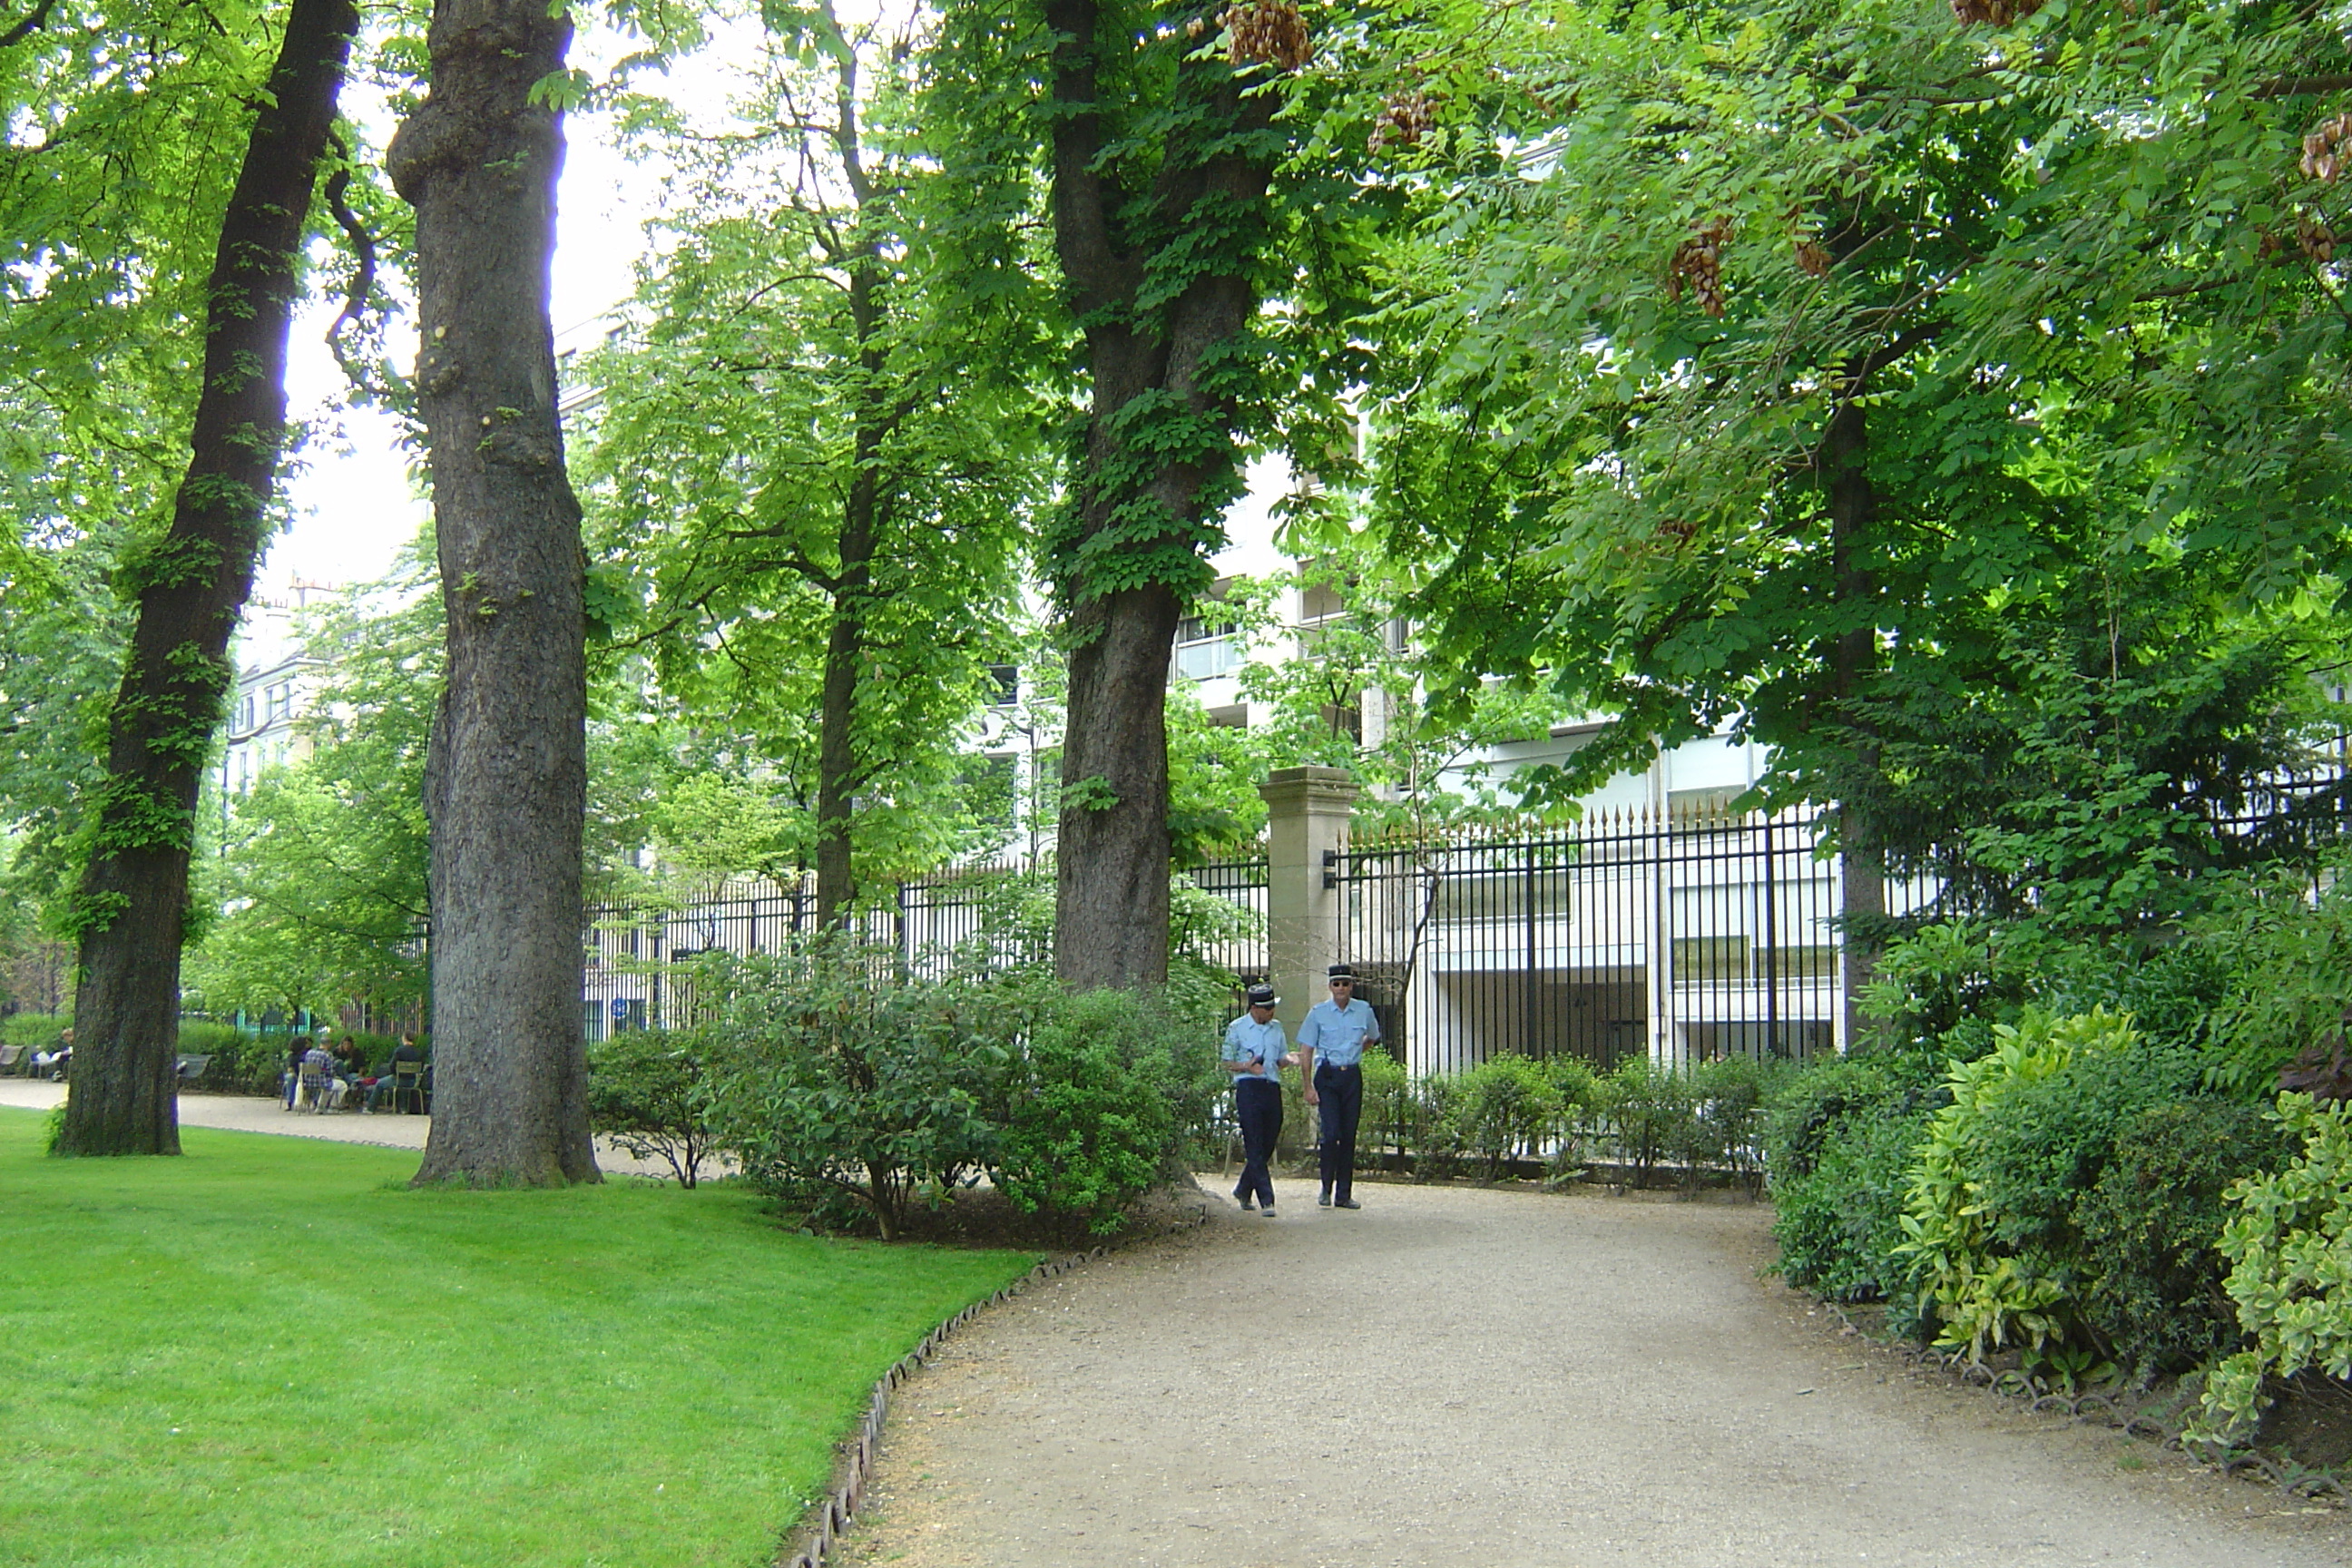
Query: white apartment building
[[276, 685]]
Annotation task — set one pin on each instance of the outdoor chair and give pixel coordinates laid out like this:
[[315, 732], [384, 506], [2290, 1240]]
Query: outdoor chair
[[193, 1067], [315, 1094], [408, 1086], [13, 1059]]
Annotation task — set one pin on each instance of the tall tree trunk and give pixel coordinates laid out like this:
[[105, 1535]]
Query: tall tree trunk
[[1853, 507], [134, 892], [839, 770], [1135, 518], [506, 787]]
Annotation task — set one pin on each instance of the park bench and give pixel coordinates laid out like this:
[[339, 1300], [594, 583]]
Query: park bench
[[193, 1067]]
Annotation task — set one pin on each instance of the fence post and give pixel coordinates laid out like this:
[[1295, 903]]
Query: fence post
[[1306, 814]]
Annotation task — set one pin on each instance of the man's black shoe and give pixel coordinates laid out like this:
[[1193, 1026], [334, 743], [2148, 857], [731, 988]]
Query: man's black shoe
[[1346, 1204], [1324, 1201], [1246, 1202]]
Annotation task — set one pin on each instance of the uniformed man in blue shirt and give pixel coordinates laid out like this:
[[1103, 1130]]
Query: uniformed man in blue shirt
[[1332, 1053], [1254, 1054]]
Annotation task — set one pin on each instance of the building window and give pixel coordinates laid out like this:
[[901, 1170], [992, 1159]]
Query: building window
[[1206, 646], [1004, 685], [1207, 657], [1710, 960]]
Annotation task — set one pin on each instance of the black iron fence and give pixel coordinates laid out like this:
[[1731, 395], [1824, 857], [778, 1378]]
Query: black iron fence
[[1682, 937], [993, 917]]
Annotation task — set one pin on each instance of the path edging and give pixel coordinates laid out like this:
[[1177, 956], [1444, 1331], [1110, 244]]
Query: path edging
[[853, 1465]]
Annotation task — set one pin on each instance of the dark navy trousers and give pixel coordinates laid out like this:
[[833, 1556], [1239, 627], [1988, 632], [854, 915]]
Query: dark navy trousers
[[1340, 1091], [1258, 1104]]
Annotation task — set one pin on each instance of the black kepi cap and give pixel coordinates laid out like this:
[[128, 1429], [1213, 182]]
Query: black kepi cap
[[1339, 971], [1261, 995]]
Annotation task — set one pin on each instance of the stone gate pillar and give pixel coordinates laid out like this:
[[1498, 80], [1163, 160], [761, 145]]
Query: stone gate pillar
[[1306, 814]]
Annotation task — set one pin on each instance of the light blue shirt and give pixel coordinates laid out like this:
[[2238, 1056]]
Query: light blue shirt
[[1338, 1035], [1247, 1037]]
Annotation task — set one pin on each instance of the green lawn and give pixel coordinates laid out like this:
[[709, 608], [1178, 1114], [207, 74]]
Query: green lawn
[[268, 1351]]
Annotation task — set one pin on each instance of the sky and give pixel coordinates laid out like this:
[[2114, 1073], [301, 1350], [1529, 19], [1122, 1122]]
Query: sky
[[358, 496], [355, 501]]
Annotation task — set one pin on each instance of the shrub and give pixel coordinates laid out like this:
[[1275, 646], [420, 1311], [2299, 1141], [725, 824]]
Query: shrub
[[1726, 1121], [2043, 1143], [2293, 981], [2151, 1225], [2290, 1278], [1839, 1224], [1391, 1114], [1580, 1095], [1503, 1108], [1434, 1131], [1951, 979], [241, 1063], [828, 1077], [1098, 1105], [645, 1093], [1649, 1107], [1837, 1138], [33, 1030], [1984, 1294]]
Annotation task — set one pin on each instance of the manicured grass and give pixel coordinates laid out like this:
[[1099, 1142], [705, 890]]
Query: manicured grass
[[269, 1352]]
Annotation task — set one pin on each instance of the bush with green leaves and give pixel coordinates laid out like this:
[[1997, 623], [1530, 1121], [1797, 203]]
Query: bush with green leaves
[[2290, 1270], [2043, 1143], [2292, 955], [1725, 1130], [1975, 1285], [1957, 978], [2151, 1225], [1098, 1105], [1507, 1108], [34, 1031], [1649, 1107], [645, 1093], [1391, 1111], [241, 1063], [1837, 1138], [830, 1076]]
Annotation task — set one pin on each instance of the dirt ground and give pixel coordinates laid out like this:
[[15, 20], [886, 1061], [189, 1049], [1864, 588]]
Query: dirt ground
[[1491, 1378]]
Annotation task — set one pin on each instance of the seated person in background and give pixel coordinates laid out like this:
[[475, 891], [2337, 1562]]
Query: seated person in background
[[319, 1059], [387, 1081], [296, 1049], [351, 1061], [57, 1061]]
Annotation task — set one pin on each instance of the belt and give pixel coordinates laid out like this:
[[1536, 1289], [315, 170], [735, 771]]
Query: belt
[[1356, 1066]]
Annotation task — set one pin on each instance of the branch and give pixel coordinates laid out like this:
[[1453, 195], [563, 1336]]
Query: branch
[[29, 26], [1082, 198], [363, 285], [2302, 86]]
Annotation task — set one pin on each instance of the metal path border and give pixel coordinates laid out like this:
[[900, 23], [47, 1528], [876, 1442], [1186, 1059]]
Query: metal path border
[[853, 1467]]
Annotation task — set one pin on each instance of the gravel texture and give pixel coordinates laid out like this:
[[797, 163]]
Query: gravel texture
[[1494, 1378]]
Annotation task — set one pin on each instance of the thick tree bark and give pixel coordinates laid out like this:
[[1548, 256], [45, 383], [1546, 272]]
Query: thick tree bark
[[1112, 851], [134, 891], [507, 786], [1853, 507], [839, 770]]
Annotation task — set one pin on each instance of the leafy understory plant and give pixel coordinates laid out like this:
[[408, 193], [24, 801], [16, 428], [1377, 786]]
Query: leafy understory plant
[[1985, 1298], [2290, 1250]]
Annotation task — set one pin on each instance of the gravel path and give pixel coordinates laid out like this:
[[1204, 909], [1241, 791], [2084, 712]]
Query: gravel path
[[1490, 1379]]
